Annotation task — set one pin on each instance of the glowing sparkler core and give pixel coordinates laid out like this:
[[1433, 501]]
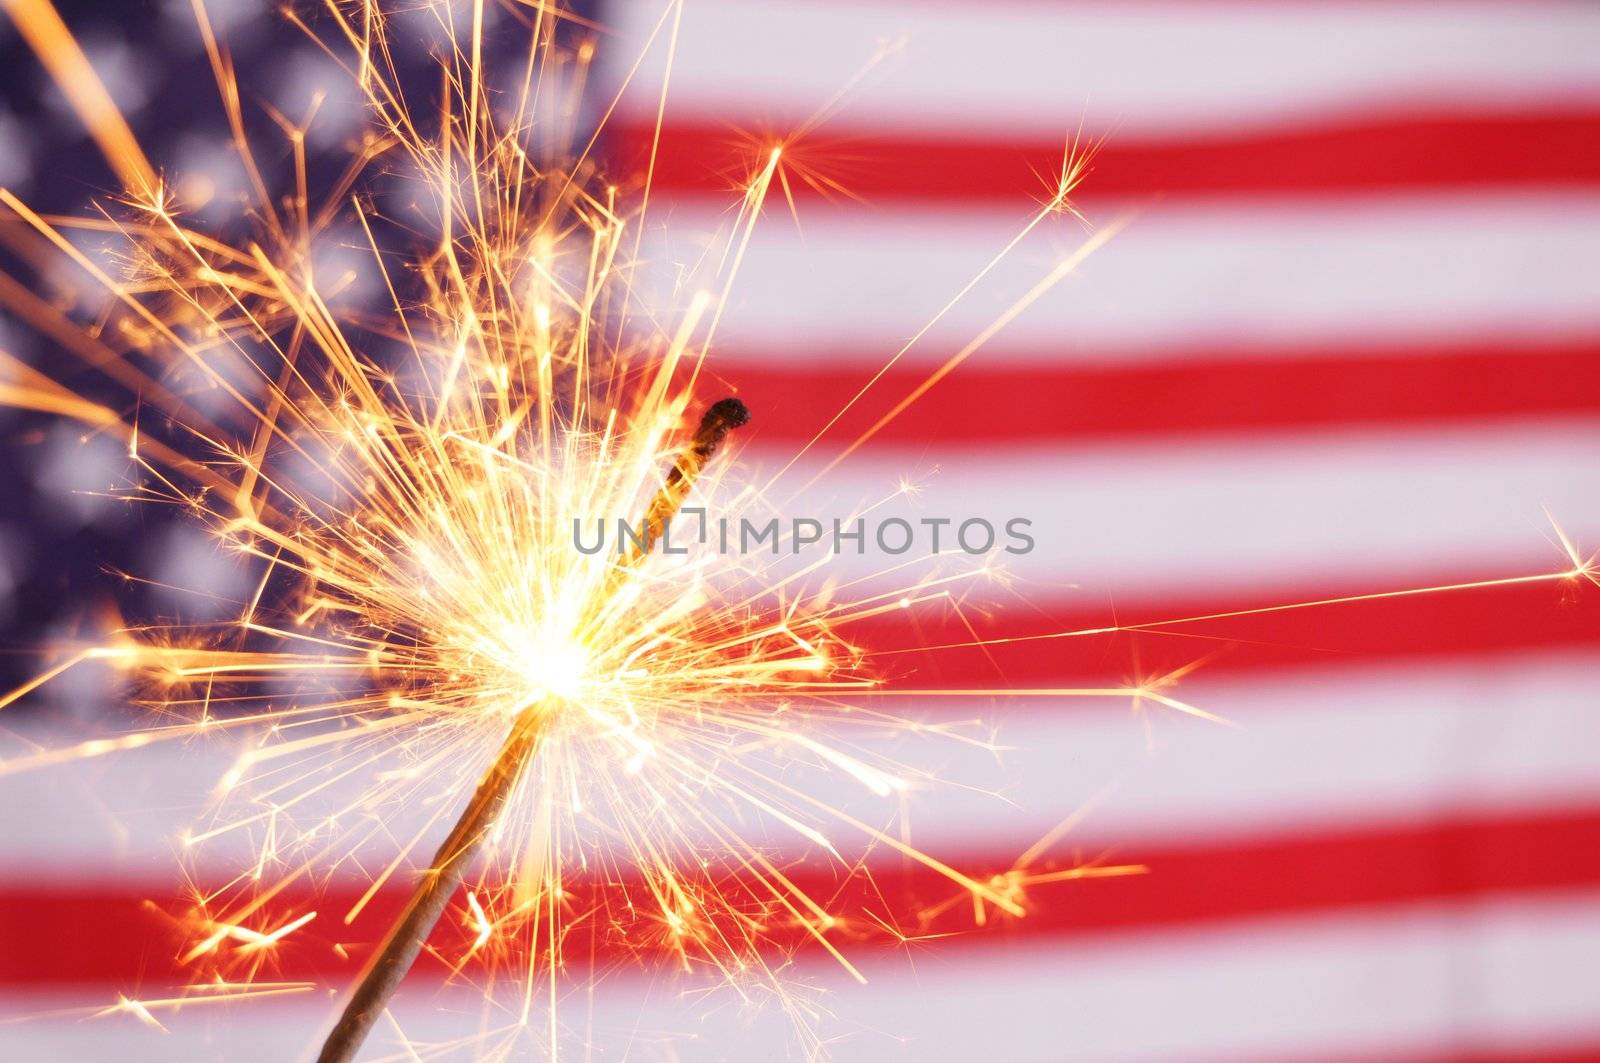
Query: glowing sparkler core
[[556, 666], [566, 657]]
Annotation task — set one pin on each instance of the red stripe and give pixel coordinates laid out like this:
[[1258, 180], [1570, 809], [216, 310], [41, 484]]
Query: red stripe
[[1535, 616], [99, 933], [1575, 1052], [1045, 396], [1551, 146]]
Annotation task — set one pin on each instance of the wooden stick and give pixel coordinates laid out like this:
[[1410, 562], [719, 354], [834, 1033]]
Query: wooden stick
[[389, 965], [719, 420]]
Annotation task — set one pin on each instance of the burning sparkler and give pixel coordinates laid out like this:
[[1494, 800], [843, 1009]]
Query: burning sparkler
[[418, 599], [399, 952], [420, 624]]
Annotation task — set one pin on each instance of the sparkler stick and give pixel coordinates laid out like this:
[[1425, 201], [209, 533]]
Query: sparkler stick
[[399, 951], [719, 420], [393, 960]]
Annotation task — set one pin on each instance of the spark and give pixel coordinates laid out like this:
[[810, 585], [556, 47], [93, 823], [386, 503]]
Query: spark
[[480, 921], [50, 39], [203, 994], [1581, 568]]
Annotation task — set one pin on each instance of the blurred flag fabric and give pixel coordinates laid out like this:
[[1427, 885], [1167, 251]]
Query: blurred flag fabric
[[1346, 341]]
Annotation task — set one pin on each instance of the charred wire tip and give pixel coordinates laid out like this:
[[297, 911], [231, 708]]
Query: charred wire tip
[[723, 417], [725, 413]]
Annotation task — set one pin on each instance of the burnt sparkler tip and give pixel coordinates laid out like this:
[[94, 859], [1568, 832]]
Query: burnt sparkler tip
[[729, 412]]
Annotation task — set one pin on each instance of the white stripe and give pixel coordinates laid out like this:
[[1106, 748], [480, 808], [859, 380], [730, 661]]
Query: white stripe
[[1429, 980], [1133, 68], [1312, 750], [1378, 270], [1268, 513]]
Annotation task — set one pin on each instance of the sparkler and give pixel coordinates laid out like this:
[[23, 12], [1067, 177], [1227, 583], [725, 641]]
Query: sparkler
[[406, 938], [418, 599], [420, 623]]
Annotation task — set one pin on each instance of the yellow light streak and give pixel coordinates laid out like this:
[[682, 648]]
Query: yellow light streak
[[53, 43]]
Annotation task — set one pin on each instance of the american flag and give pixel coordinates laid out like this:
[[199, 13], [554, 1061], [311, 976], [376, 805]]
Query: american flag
[[1346, 340]]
